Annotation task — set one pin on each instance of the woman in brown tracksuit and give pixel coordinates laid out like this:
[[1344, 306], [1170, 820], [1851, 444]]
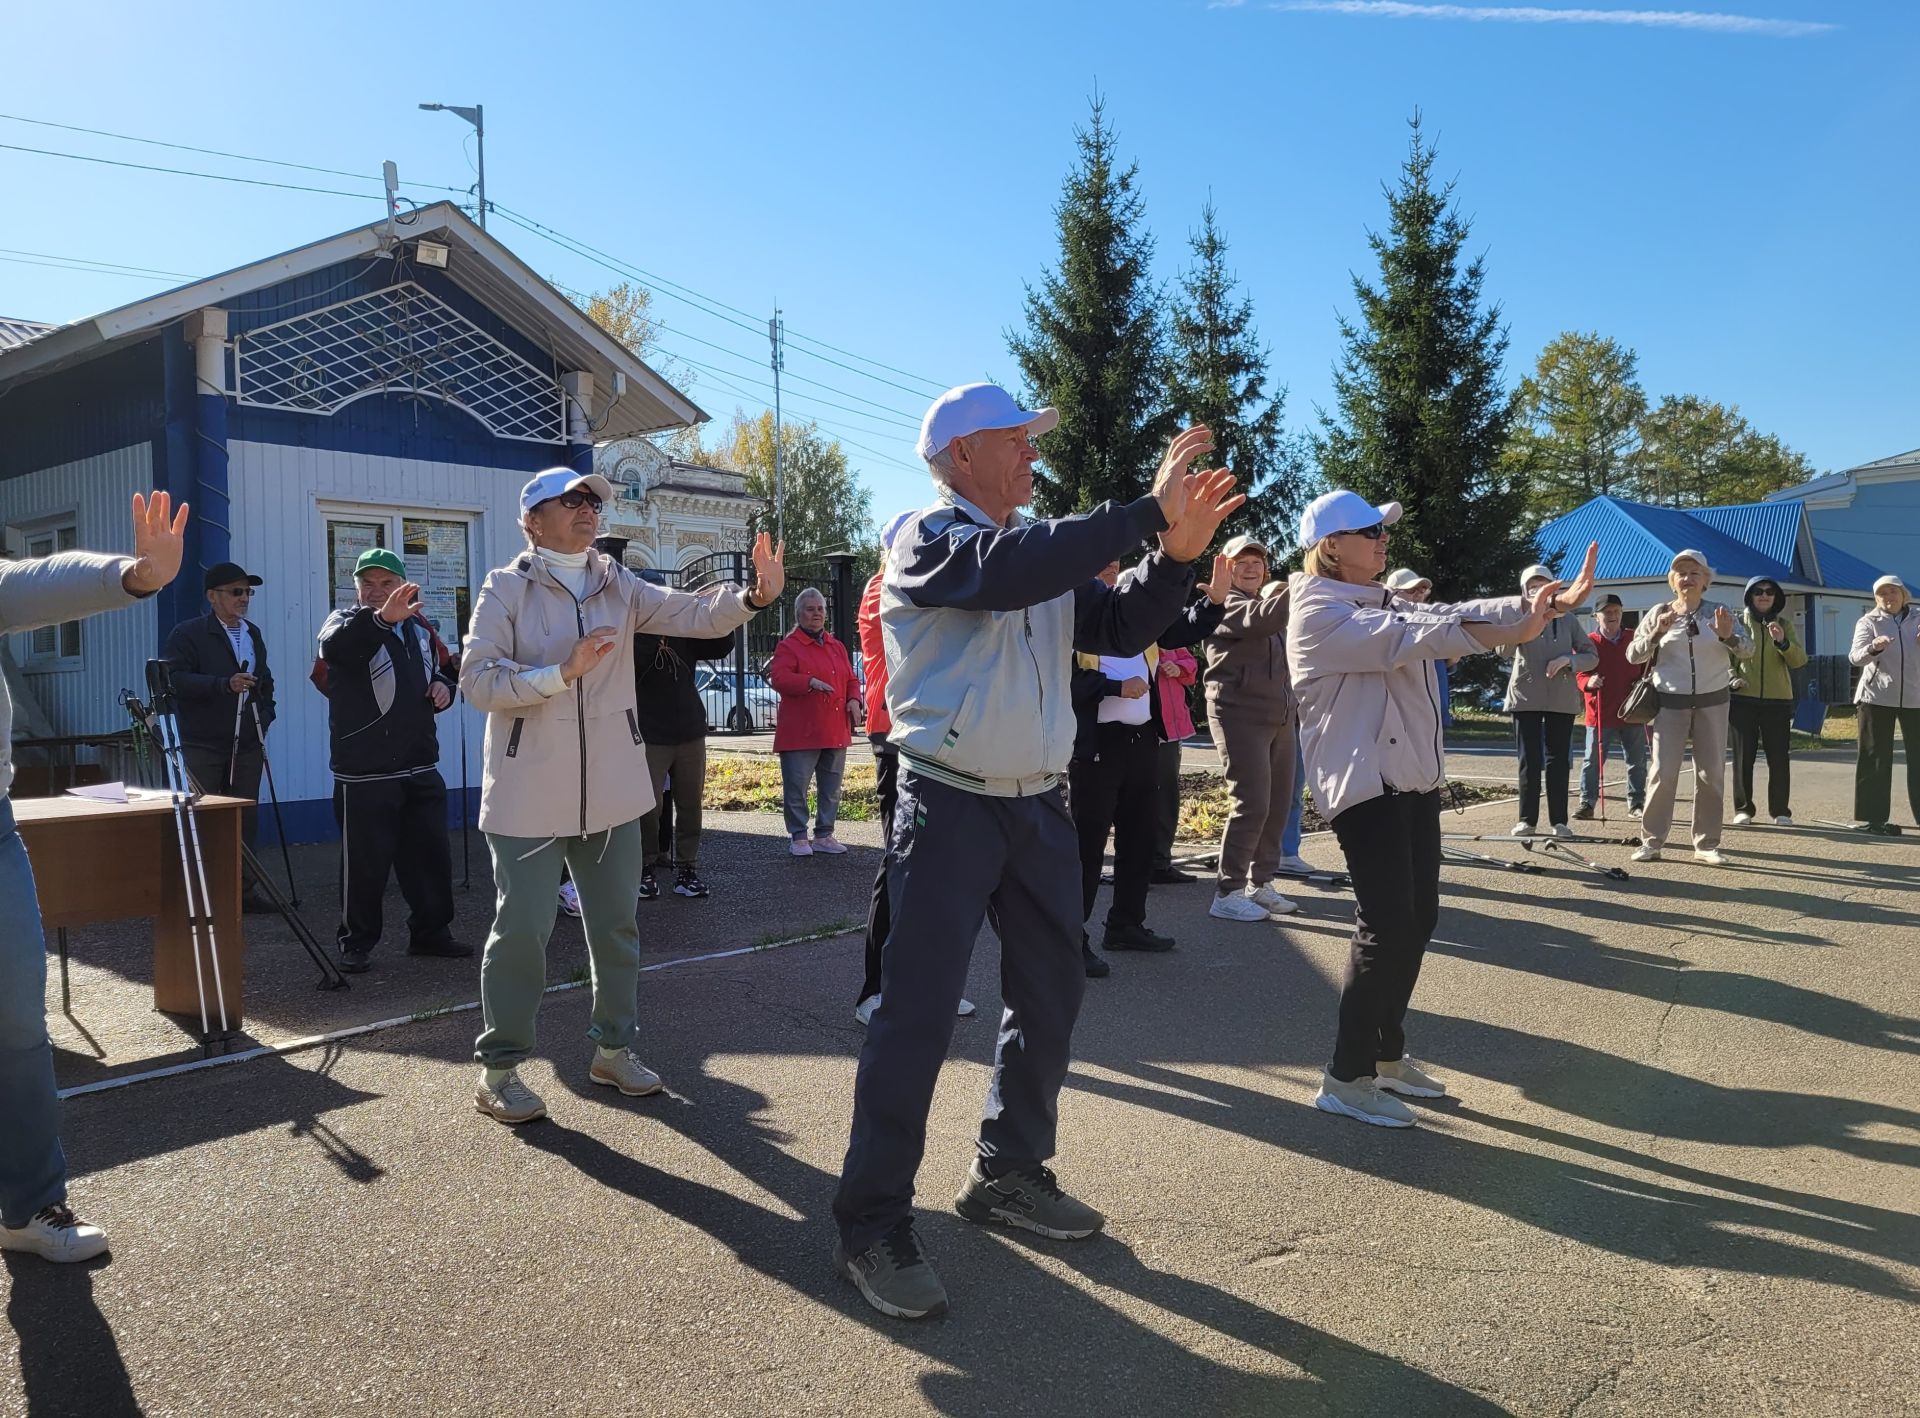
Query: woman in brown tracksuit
[[1250, 704]]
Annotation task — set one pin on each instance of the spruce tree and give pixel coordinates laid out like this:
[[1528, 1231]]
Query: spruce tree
[[1093, 347], [1421, 416], [1218, 377]]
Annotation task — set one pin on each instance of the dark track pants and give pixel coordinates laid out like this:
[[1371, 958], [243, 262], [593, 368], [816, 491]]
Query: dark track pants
[[1546, 754], [886, 789], [1113, 790], [1392, 845], [1166, 803], [209, 768], [1756, 726], [396, 825], [960, 858], [1873, 770]]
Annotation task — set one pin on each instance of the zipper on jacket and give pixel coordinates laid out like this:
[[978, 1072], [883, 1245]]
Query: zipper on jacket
[[580, 711], [1039, 680]]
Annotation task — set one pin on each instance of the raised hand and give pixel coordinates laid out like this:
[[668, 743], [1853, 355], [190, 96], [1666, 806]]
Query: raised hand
[[769, 570], [1170, 484], [1723, 622], [1777, 632], [1221, 582], [1583, 583], [588, 651], [1540, 610], [159, 544], [403, 602], [1209, 501]]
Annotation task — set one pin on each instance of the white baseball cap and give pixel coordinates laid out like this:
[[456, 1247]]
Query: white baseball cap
[[554, 481], [1342, 511], [1889, 581], [1544, 573], [973, 408], [1405, 579], [1698, 558]]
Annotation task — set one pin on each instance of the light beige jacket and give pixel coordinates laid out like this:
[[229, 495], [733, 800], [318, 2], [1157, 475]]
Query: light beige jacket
[[572, 764]]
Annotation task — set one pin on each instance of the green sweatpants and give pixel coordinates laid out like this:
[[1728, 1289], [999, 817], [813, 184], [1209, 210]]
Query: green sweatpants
[[513, 972]]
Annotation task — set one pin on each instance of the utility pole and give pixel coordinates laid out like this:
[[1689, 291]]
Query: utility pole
[[776, 337], [477, 117]]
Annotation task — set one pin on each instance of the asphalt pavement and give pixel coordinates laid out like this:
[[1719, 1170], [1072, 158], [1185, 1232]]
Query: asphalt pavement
[[1678, 1174]]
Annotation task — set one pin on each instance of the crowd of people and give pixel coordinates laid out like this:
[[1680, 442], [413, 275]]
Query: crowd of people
[[1025, 686]]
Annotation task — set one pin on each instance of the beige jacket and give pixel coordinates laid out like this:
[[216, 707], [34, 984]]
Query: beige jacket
[[573, 763], [1362, 662]]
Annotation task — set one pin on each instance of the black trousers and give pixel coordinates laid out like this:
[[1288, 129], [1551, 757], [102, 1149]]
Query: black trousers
[[1112, 790], [396, 825], [209, 767], [1873, 771], [1392, 845], [1166, 802], [1546, 754], [886, 788], [1753, 726]]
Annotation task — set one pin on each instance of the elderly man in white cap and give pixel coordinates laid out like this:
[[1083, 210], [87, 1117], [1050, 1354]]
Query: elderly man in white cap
[[981, 611]]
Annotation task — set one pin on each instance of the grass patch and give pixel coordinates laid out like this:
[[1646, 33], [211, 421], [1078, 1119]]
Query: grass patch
[[825, 928], [750, 782], [1205, 804]]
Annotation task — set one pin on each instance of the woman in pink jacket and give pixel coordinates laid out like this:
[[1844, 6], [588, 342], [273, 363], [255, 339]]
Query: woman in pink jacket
[[1361, 659], [819, 705]]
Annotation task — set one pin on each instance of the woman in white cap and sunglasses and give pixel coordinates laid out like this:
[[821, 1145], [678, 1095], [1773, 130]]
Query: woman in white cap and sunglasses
[[1886, 649], [1691, 645], [1362, 659], [549, 660]]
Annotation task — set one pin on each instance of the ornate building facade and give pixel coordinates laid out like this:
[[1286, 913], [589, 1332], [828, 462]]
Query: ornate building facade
[[670, 512]]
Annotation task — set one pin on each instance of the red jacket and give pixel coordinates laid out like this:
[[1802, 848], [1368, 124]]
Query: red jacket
[[873, 658], [808, 718], [1616, 677]]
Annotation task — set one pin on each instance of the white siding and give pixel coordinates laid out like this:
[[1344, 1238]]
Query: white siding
[[114, 648], [278, 495]]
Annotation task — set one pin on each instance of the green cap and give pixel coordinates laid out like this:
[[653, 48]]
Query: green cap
[[379, 558]]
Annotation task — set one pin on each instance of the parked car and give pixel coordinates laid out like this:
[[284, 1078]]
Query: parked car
[[756, 711]]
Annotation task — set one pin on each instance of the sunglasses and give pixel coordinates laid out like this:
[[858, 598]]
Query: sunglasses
[[575, 500], [1372, 534], [241, 594]]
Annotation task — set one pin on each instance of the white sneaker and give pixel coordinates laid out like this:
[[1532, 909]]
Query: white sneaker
[[625, 1072], [1524, 829], [1636, 812], [1363, 1100], [863, 1011], [54, 1233], [1235, 906], [830, 844], [1783, 821], [1272, 901], [511, 1102], [1743, 819], [1403, 1075], [1646, 852], [966, 1008], [1709, 857], [1296, 865], [570, 899], [1560, 829], [800, 847]]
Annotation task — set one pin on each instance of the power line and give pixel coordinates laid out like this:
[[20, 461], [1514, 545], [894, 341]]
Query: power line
[[83, 263], [758, 402], [764, 384], [213, 152], [188, 172], [933, 384], [900, 417]]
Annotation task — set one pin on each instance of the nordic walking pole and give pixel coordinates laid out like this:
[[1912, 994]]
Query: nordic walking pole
[[466, 872], [273, 796], [233, 755], [193, 867]]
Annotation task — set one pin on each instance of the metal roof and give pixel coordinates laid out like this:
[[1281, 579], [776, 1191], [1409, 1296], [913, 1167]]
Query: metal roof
[[1770, 528], [478, 263], [1638, 542], [1843, 571], [14, 332]]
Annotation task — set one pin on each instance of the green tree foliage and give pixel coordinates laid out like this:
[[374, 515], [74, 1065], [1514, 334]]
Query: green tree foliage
[[1696, 453], [1577, 432], [1421, 414], [626, 312], [1093, 347], [827, 510], [1218, 377]]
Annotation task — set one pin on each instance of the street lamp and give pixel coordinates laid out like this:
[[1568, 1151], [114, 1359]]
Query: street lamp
[[473, 116]]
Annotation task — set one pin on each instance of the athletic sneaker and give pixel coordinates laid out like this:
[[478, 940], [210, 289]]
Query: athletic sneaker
[[831, 845], [863, 1011], [1783, 821], [1645, 852], [570, 899], [1295, 865], [649, 885], [1743, 819], [625, 1072], [1272, 902], [1030, 1199], [800, 847], [511, 1102], [1362, 1100], [1524, 829], [54, 1233], [1404, 1076], [686, 882], [1709, 857], [894, 1275], [1560, 829], [1583, 812], [1235, 906], [1635, 810], [1134, 938]]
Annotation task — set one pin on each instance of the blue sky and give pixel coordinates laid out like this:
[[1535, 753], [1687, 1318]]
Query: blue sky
[[1727, 187]]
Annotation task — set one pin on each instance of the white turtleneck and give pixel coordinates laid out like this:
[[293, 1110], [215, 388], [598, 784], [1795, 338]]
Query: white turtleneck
[[569, 568]]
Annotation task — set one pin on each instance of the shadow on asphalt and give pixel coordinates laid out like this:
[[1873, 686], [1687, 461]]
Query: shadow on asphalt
[[70, 1363]]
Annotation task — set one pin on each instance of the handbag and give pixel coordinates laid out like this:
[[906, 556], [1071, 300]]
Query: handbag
[[1642, 703]]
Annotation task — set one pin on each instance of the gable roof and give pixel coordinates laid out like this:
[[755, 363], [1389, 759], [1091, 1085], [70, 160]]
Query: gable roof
[[15, 332], [478, 263], [1845, 482], [1638, 542]]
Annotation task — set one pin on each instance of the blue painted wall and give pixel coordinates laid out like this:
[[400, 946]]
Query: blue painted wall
[[1882, 527], [107, 403]]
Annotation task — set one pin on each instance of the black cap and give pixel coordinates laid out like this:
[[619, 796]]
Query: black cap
[[226, 573], [1610, 600]]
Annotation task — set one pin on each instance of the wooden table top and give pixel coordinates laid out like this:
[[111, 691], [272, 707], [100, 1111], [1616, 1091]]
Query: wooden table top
[[71, 809]]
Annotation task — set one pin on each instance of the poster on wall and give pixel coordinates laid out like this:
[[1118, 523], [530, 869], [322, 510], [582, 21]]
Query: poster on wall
[[345, 542], [435, 553]]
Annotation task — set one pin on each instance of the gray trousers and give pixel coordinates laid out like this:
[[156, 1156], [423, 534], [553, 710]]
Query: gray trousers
[[1257, 751], [1166, 804], [1672, 730], [686, 764]]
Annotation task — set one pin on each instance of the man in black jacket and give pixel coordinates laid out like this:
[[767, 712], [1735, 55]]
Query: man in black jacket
[[223, 694], [385, 682]]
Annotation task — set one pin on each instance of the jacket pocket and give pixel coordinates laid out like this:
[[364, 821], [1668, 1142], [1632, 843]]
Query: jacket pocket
[[513, 738], [957, 726]]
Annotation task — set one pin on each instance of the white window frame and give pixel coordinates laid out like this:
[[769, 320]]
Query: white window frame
[[49, 528], [395, 518]]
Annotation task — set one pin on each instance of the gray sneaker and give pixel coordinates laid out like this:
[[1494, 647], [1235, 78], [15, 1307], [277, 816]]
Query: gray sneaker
[[894, 1275], [1405, 1077], [511, 1102], [1362, 1100], [1030, 1199]]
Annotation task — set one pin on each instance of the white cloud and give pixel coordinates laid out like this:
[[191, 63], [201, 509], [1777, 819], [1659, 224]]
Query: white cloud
[[1544, 15]]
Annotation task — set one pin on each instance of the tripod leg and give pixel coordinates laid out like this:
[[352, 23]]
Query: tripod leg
[[66, 989]]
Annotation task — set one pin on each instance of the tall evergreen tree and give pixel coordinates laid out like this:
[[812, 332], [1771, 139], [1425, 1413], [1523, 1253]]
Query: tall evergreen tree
[[1218, 377], [1421, 415], [1094, 347], [1576, 434]]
